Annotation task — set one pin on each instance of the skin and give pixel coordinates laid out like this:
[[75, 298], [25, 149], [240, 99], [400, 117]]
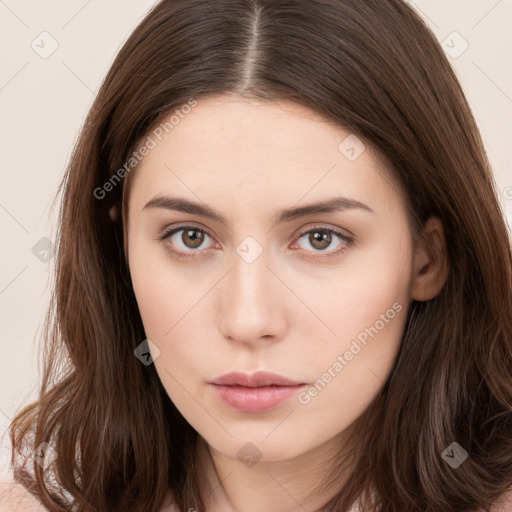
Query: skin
[[292, 310]]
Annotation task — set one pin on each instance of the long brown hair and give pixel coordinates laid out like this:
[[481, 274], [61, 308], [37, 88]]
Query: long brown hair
[[375, 67]]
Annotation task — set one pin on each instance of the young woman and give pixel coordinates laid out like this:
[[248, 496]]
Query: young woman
[[283, 278]]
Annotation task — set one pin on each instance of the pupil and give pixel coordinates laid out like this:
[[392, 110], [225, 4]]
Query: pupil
[[196, 240], [322, 237]]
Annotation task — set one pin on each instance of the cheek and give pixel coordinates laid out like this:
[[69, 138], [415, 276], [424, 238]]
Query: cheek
[[371, 301], [159, 291], [154, 301], [367, 310], [168, 314], [352, 368], [171, 304], [369, 330], [361, 293]]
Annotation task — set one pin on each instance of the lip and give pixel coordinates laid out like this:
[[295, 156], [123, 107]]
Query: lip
[[257, 392], [254, 380]]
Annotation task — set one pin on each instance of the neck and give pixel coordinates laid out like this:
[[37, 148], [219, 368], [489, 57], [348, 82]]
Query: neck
[[281, 486]]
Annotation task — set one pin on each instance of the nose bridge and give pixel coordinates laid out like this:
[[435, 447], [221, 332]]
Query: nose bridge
[[250, 299], [250, 281]]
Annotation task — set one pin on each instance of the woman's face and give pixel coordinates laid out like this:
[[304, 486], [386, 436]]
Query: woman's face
[[237, 267]]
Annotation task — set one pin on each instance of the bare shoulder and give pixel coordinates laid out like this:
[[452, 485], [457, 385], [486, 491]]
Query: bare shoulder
[[168, 506], [15, 498], [504, 504]]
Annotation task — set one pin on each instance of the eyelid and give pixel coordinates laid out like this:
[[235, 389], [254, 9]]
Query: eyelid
[[168, 232], [347, 238], [171, 230], [320, 226]]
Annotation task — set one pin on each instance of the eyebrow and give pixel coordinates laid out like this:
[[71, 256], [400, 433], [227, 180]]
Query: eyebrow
[[335, 204]]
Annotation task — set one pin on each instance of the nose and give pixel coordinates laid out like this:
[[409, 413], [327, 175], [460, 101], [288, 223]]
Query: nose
[[252, 303]]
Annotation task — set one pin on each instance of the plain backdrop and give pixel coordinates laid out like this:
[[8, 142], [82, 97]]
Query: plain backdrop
[[54, 55]]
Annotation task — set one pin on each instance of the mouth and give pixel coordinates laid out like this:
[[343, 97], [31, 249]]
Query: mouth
[[258, 392]]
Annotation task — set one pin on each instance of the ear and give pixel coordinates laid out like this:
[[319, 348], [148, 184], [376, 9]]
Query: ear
[[430, 268]]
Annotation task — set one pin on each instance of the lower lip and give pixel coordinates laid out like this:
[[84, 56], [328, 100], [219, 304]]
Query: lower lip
[[261, 399]]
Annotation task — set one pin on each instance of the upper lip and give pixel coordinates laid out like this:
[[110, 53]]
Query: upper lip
[[255, 380]]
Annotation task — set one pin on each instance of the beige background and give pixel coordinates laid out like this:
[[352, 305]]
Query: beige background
[[43, 103]]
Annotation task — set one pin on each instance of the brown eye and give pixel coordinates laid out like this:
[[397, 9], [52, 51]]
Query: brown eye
[[192, 238], [186, 241], [320, 239]]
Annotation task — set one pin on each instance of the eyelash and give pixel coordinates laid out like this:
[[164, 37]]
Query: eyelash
[[348, 241]]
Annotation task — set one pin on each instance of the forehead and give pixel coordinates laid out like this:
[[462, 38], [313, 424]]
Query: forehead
[[248, 152]]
